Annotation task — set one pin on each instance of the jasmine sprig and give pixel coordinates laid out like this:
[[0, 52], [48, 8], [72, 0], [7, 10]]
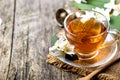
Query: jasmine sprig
[[62, 44]]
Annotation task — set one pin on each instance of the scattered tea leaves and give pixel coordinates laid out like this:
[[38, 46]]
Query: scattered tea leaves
[[71, 57]]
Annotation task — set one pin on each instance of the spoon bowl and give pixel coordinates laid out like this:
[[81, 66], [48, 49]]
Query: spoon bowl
[[60, 15]]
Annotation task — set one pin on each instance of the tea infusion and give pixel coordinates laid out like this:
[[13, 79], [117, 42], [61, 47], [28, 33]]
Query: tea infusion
[[86, 36]]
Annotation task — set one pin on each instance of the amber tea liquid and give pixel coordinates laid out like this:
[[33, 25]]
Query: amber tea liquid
[[86, 36]]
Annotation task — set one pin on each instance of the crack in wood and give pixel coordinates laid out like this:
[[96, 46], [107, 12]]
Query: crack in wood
[[12, 40]]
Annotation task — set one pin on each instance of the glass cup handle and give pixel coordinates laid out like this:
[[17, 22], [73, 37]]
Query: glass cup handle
[[116, 35]]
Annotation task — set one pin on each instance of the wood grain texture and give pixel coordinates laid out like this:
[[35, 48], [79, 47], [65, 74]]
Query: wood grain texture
[[28, 26], [6, 29], [34, 25]]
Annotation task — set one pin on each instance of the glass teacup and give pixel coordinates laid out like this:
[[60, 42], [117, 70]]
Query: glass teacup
[[87, 31]]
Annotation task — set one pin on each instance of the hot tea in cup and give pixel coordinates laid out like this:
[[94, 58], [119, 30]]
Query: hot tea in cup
[[86, 32]]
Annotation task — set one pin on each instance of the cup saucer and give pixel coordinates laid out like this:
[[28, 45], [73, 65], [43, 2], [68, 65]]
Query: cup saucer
[[104, 55]]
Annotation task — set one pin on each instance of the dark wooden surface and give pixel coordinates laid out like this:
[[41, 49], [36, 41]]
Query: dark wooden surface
[[25, 38]]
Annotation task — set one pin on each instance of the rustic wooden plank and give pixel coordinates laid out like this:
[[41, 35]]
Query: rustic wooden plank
[[49, 26], [34, 25], [26, 15], [7, 16]]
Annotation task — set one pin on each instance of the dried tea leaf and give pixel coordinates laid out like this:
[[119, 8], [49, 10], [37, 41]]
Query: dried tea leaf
[[71, 57]]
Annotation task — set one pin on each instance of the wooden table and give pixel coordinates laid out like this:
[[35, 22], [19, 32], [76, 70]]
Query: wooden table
[[25, 38]]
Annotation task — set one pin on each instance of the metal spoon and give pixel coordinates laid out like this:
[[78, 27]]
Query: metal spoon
[[92, 74], [60, 15]]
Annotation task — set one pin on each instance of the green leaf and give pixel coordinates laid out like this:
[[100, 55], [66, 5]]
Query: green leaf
[[115, 22], [97, 3], [53, 40], [83, 6], [91, 4]]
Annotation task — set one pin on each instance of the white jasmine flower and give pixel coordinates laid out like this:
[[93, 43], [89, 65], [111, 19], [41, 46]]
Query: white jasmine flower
[[0, 21], [110, 5], [53, 48], [62, 42], [63, 45], [79, 1], [87, 16], [105, 12], [116, 11]]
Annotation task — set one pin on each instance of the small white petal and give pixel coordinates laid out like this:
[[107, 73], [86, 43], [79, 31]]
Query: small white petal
[[71, 47], [78, 14], [105, 12], [0, 21], [71, 52], [78, 1], [87, 16], [116, 13], [84, 1], [52, 48], [110, 5]]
